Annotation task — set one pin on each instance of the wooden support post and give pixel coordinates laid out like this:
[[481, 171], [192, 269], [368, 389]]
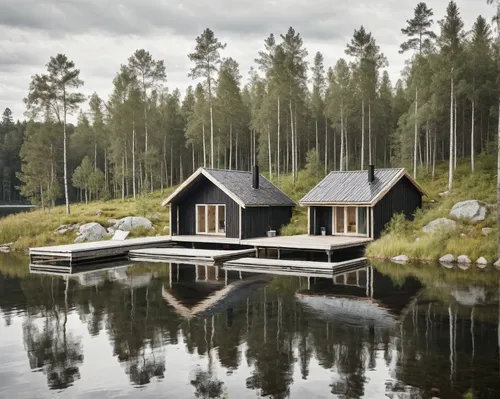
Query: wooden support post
[[329, 256], [279, 253], [256, 252]]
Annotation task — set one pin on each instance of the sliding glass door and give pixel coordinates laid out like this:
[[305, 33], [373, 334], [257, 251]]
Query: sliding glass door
[[351, 220], [211, 219]]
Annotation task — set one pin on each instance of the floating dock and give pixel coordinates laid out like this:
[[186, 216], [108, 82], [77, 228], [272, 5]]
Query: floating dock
[[199, 256], [278, 266], [64, 257]]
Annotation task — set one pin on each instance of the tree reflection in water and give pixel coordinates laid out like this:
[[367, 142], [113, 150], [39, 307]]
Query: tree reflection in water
[[430, 332]]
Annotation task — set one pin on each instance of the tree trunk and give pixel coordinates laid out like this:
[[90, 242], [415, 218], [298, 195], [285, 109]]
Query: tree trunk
[[427, 147], [204, 145], [342, 143], [230, 145], [363, 133], [269, 152], [472, 138], [235, 150], [434, 156], [278, 143], [326, 147], [369, 133], [65, 160], [455, 141], [498, 183], [293, 143], [317, 140], [450, 171], [416, 137], [123, 177], [134, 190], [211, 135]]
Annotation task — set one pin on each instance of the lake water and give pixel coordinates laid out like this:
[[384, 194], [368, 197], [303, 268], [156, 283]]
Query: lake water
[[182, 331], [6, 210]]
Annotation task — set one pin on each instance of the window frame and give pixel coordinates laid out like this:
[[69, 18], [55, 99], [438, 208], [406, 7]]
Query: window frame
[[345, 233], [206, 232]]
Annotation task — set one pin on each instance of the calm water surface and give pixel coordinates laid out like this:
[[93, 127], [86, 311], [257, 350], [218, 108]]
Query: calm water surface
[[185, 331]]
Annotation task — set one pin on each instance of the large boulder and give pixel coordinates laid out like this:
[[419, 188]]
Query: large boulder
[[447, 259], [441, 223], [464, 260], [482, 261], [400, 259], [472, 209], [133, 222], [91, 232], [486, 230]]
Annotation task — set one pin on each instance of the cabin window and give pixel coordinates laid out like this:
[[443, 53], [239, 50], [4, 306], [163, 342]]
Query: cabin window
[[340, 219], [351, 220], [210, 219], [362, 221]]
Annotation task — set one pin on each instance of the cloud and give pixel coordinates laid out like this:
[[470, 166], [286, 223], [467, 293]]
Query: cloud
[[100, 35]]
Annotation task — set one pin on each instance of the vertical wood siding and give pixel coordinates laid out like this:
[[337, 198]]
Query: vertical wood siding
[[402, 198], [257, 220], [204, 191]]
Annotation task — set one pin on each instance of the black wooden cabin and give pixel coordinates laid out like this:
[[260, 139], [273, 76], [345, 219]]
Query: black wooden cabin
[[360, 203], [229, 203]]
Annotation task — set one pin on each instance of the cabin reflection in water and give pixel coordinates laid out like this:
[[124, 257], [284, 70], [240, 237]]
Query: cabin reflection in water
[[362, 297], [202, 290]]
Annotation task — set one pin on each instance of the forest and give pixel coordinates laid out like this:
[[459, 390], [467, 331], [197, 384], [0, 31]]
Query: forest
[[287, 114]]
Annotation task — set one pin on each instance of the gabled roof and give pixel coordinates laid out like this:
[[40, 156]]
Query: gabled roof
[[353, 187], [237, 185]]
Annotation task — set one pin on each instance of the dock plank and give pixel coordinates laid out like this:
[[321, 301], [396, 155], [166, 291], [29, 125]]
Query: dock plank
[[291, 265], [307, 242], [203, 255]]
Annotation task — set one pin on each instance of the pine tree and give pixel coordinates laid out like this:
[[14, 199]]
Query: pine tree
[[52, 92], [207, 59]]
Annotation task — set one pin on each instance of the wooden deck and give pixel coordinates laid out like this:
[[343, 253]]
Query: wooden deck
[[67, 256], [306, 242], [199, 256], [293, 266]]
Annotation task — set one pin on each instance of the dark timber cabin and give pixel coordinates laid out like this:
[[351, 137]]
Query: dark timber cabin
[[360, 203], [229, 203]]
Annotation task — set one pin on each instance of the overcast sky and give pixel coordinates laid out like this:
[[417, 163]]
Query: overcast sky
[[99, 35]]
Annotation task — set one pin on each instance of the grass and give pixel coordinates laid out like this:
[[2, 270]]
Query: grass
[[37, 228], [403, 237]]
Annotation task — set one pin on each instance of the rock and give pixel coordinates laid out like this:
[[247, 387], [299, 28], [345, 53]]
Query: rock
[[417, 239], [400, 259], [99, 213], [444, 193], [432, 201], [91, 232], [471, 209], [464, 260], [8, 244], [441, 223], [482, 261], [486, 230], [113, 222], [5, 250], [156, 216], [111, 230], [62, 231], [497, 263], [133, 222], [463, 235], [80, 238], [449, 258]]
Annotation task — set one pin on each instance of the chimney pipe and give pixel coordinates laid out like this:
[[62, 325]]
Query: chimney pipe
[[255, 177], [371, 173]]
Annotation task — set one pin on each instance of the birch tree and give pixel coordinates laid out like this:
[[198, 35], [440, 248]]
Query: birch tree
[[52, 92]]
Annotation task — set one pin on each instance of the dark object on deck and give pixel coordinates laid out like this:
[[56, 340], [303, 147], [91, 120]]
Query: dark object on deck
[[228, 203], [349, 203]]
